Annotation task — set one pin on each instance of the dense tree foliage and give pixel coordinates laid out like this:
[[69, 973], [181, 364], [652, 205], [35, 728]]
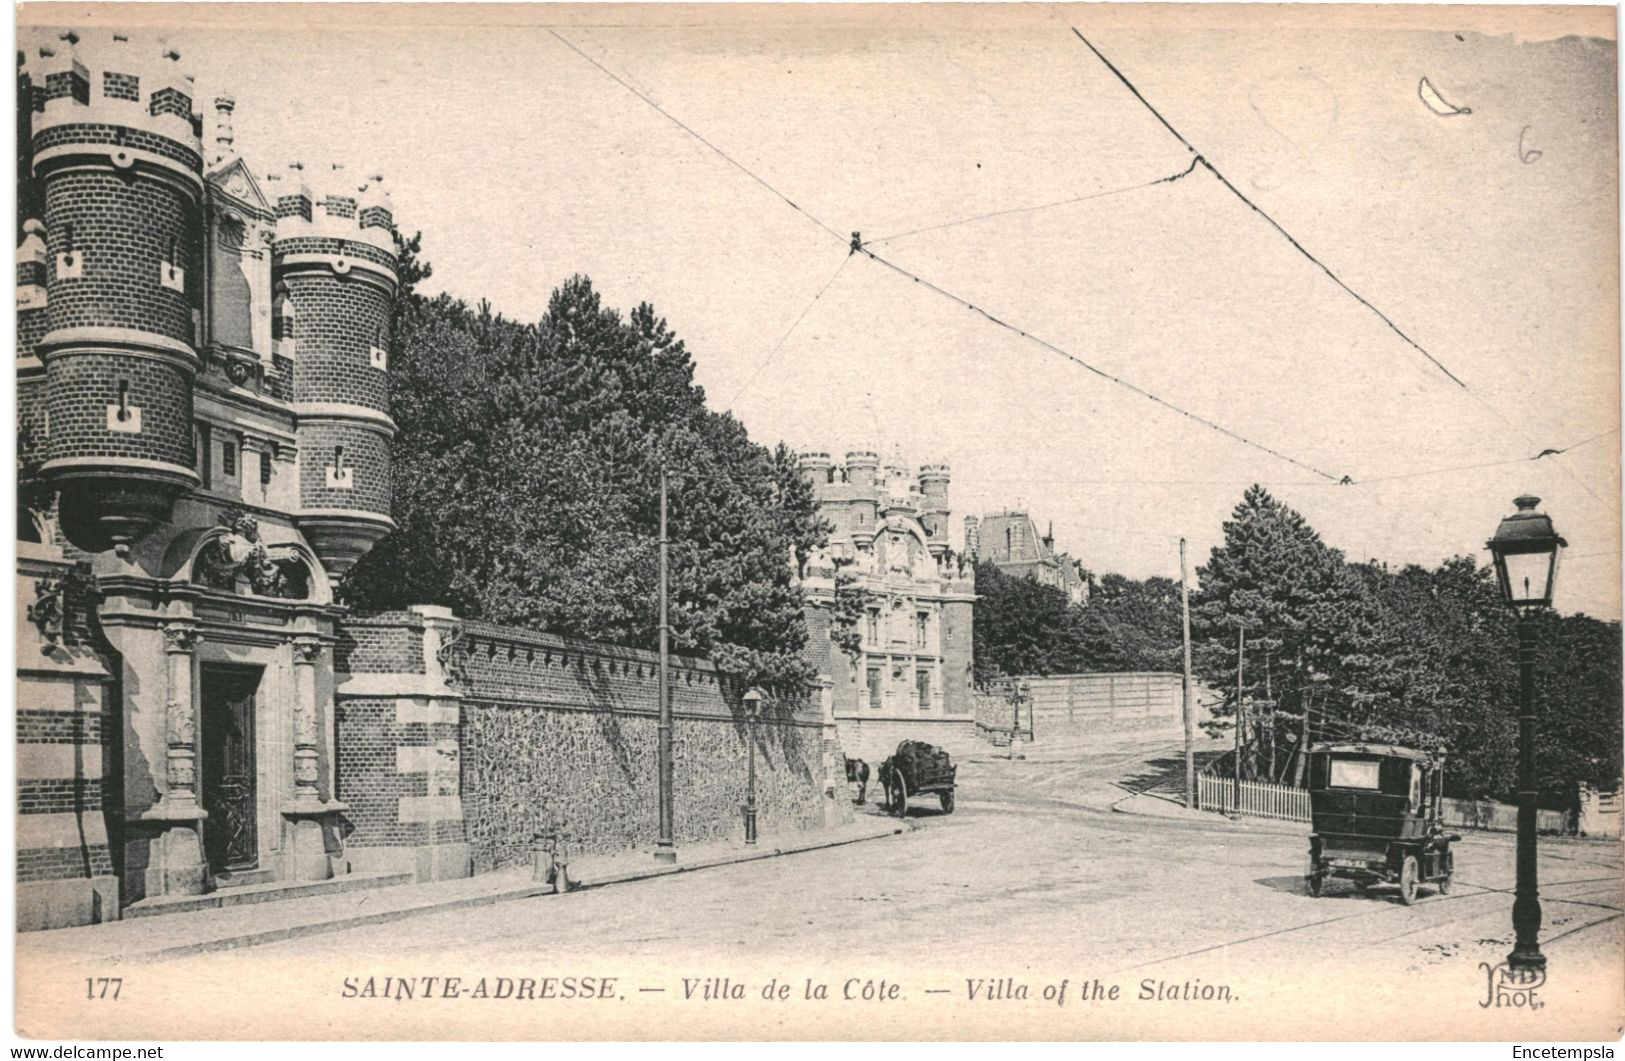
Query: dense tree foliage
[[527, 485], [1022, 627], [1417, 656], [1131, 625], [1025, 627]]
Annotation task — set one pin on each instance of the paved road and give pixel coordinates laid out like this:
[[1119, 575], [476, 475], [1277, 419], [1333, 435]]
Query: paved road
[[1202, 925]]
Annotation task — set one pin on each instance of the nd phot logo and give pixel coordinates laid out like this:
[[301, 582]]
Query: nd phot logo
[[1509, 988]]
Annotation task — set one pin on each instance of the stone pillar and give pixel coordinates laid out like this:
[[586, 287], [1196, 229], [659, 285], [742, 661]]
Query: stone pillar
[[306, 651], [180, 718], [310, 819], [176, 863], [837, 807], [399, 736], [64, 869]]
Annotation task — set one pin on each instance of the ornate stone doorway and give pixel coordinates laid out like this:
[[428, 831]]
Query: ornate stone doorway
[[230, 835]]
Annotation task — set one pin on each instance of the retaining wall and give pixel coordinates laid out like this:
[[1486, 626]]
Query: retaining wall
[[1081, 705], [465, 739]]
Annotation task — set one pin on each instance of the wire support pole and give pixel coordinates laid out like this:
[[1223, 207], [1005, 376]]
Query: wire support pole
[[665, 845]]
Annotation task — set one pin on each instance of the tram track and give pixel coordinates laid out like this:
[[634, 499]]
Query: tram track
[[1458, 909], [1394, 908], [1485, 891]]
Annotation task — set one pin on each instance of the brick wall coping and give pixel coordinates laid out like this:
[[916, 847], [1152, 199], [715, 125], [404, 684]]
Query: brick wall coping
[[480, 635], [479, 630], [787, 717], [400, 618]]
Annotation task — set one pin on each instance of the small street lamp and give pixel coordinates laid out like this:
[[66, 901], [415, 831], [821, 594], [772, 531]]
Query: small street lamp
[[1021, 695], [753, 711], [1526, 548]]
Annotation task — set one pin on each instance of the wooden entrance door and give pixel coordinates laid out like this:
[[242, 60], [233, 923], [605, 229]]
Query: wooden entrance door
[[230, 836]]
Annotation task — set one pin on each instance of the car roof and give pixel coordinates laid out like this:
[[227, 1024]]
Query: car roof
[[1360, 748]]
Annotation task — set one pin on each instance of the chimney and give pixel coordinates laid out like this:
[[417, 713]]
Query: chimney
[[223, 135]]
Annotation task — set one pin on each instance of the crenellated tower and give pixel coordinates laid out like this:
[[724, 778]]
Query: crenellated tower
[[117, 167], [934, 508], [333, 271], [202, 371], [906, 668]]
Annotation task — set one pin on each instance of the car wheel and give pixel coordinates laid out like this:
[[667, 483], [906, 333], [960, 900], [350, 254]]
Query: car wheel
[[1407, 880], [947, 802]]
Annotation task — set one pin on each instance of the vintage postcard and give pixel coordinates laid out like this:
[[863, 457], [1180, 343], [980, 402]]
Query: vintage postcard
[[951, 522]]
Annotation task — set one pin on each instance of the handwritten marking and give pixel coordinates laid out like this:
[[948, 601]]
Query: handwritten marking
[[1528, 156]]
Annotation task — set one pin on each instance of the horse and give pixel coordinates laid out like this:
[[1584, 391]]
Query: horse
[[858, 770]]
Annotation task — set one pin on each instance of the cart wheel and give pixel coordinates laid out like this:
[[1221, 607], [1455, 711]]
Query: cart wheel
[[947, 802], [1407, 880], [900, 803]]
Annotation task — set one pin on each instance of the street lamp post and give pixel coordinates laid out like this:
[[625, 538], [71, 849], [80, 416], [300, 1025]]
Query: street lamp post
[[1022, 695], [1526, 549], [753, 710]]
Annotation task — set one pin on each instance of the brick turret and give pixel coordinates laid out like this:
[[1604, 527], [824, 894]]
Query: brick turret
[[333, 267], [815, 468], [117, 164], [934, 479]]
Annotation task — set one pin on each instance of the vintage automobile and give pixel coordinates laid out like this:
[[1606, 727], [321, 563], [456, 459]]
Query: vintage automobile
[[1376, 816], [914, 769]]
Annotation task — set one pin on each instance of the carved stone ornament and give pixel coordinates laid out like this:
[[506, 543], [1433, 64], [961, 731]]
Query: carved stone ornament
[[307, 650], [179, 637], [238, 558], [48, 612], [56, 599], [451, 656]]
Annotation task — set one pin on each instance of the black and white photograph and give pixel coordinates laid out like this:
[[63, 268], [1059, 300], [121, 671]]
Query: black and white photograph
[[817, 522]]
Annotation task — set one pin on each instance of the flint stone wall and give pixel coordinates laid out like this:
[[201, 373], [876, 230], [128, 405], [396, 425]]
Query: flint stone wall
[[559, 734]]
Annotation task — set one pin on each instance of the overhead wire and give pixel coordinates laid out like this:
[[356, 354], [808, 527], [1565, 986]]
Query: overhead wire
[[1302, 250], [1170, 179], [1198, 159], [687, 129], [1102, 373], [1550, 452], [789, 331], [1211, 168]]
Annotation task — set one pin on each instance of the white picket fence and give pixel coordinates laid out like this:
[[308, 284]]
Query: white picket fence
[[1259, 799]]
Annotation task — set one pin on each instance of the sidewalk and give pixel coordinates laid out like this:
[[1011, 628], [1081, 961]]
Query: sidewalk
[[177, 935]]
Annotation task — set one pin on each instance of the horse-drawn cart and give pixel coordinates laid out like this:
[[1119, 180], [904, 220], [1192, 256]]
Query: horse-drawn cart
[[914, 769]]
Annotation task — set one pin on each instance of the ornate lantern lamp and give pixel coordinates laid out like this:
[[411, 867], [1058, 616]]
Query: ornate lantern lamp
[[1526, 547]]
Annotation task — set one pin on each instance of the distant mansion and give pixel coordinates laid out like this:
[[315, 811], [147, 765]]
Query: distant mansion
[[1010, 540], [912, 675]]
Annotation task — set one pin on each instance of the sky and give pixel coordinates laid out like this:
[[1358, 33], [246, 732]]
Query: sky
[[1489, 238]]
